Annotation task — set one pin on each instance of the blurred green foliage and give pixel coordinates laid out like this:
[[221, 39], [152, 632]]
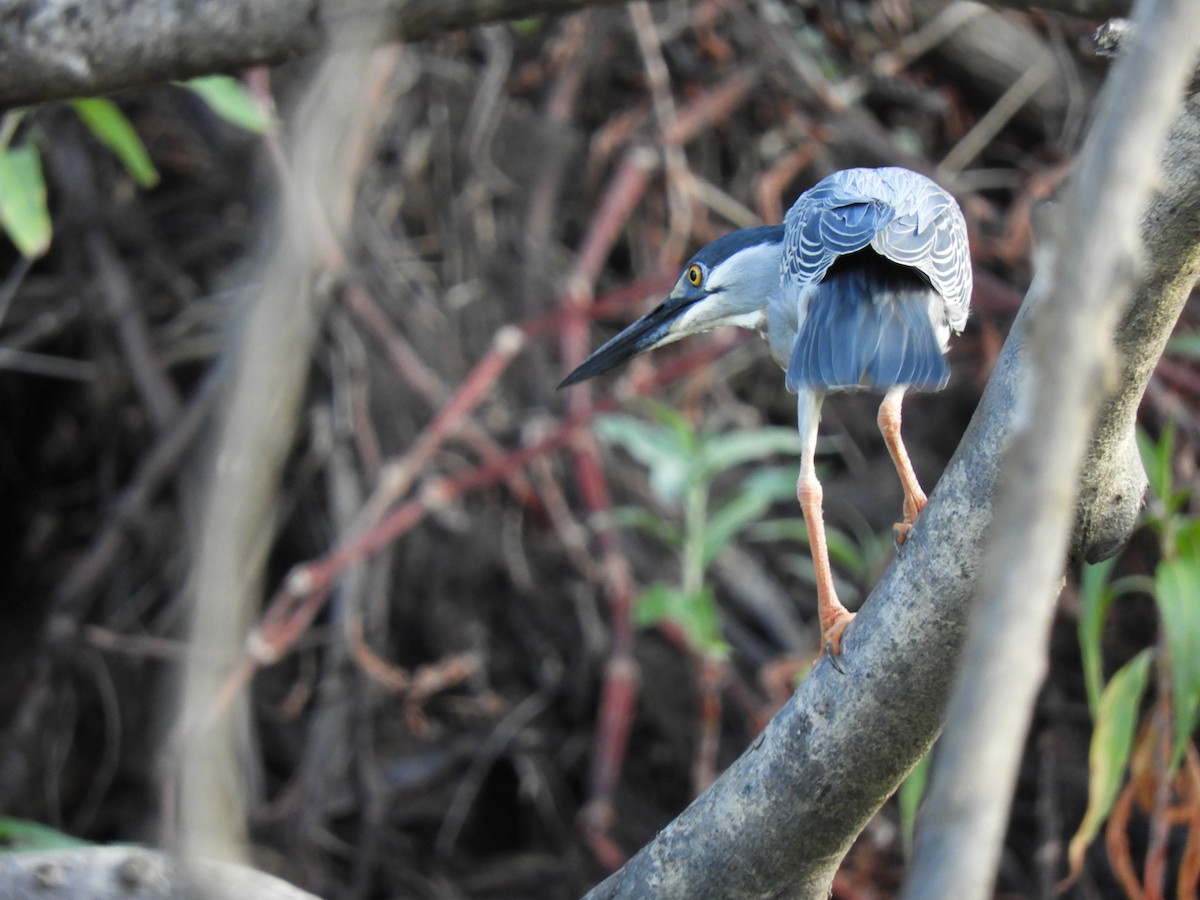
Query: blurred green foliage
[[1116, 706], [24, 211], [21, 836], [682, 464]]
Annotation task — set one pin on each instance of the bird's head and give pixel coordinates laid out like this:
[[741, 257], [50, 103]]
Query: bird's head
[[729, 282]]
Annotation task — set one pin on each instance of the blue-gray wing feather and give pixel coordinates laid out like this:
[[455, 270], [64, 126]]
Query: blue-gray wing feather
[[900, 214], [868, 326]]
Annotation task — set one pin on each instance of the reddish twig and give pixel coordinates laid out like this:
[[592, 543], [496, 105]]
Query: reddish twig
[[412, 369], [772, 183]]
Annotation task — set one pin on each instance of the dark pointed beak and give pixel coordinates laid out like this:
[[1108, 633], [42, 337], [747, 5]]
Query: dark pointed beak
[[648, 332]]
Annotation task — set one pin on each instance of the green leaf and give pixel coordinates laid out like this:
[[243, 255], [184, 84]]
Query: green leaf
[[724, 451], [909, 797], [1178, 595], [1095, 597], [109, 124], [696, 614], [1157, 460], [18, 835], [844, 551], [530, 26], [758, 493], [1185, 345], [1112, 740], [645, 520], [657, 448], [676, 423], [1187, 538], [228, 99], [23, 211]]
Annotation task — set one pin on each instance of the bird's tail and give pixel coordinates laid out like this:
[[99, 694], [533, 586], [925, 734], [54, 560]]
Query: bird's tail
[[868, 326]]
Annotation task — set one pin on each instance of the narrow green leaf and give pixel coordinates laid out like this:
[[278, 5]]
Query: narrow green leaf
[[1095, 598], [109, 124], [695, 614], [645, 520], [1187, 538], [792, 530], [657, 602], [676, 424], [19, 835], [909, 798], [757, 494], [228, 99], [1178, 596], [844, 551], [1185, 345], [1157, 460], [23, 211], [724, 451], [1112, 740], [655, 447], [530, 26]]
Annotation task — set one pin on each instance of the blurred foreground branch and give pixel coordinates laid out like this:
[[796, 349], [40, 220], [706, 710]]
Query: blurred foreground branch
[[55, 49], [123, 873], [780, 820], [1084, 282]]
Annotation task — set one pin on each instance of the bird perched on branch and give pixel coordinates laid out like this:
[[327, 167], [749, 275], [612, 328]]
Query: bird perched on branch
[[858, 289]]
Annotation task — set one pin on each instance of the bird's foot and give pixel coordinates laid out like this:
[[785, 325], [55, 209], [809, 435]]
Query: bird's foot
[[912, 508], [832, 629]]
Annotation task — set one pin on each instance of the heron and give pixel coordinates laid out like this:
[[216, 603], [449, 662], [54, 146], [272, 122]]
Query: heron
[[858, 290]]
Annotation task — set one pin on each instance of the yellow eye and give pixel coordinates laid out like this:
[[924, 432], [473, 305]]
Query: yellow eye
[[694, 276]]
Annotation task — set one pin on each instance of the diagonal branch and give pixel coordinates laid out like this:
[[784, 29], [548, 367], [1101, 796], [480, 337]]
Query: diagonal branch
[[779, 821]]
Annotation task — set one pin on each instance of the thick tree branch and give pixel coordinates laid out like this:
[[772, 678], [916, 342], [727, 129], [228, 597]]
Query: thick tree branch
[[1087, 9], [56, 49], [1080, 290], [779, 821], [132, 873]]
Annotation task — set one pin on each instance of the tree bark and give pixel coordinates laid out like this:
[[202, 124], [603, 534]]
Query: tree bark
[[1080, 291], [57, 49], [779, 821], [132, 873]]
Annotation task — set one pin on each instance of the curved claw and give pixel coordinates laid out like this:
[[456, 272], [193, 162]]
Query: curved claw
[[831, 636]]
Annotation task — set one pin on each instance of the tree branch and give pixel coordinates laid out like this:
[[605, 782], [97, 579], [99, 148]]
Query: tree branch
[[56, 49], [1074, 304], [126, 873], [1085, 9], [779, 821]]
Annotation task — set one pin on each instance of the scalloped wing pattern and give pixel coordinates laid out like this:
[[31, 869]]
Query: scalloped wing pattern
[[902, 215]]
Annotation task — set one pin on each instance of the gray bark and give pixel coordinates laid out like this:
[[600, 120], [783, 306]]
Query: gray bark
[[1075, 301], [133, 873], [56, 49], [779, 821]]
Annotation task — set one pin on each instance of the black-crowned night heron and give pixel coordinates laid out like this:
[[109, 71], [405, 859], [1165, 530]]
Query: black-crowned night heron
[[859, 289]]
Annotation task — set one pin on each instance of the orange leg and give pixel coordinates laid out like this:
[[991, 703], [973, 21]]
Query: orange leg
[[832, 615], [889, 425]]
